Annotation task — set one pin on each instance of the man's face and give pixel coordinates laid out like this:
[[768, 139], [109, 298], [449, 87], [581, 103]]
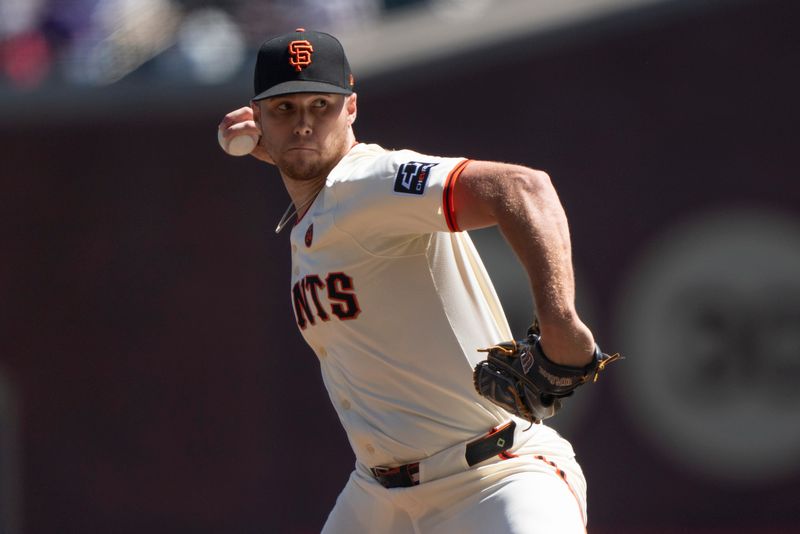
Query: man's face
[[306, 134]]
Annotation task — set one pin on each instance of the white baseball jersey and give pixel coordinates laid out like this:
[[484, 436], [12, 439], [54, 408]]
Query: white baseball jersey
[[395, 302]]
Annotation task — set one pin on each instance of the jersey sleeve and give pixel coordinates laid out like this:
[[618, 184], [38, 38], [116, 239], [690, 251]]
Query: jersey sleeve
[[398, 193]]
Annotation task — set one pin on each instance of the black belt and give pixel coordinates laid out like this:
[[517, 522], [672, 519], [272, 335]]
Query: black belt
[[498, 441]]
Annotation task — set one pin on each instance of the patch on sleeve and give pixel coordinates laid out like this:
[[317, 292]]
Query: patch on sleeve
[[412, 177]]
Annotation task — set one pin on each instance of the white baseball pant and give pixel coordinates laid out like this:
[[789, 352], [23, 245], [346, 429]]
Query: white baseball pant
[[539, 490]]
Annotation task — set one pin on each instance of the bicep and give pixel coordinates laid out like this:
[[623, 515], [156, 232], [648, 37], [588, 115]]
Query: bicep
[[485, 189]]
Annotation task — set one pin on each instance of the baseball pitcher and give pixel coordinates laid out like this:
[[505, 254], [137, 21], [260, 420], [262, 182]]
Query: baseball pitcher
[[442, 407]]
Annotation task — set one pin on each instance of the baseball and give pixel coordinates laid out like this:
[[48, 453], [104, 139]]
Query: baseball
[[241, 145]]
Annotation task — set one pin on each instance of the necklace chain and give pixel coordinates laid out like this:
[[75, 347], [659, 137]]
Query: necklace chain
[[286, 215]]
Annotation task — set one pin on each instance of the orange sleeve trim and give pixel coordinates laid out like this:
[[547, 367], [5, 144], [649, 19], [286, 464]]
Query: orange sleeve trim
[[448, 202]]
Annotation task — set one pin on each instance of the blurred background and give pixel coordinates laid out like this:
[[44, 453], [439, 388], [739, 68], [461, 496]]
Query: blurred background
[[151, 375]]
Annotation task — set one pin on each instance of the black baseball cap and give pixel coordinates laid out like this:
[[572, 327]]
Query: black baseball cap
[[302, 62]]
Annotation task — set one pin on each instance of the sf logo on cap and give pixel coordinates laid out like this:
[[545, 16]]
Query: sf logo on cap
[[300, 54]]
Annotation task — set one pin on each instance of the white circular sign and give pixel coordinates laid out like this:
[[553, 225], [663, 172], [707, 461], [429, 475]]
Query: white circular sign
[[710, 326]]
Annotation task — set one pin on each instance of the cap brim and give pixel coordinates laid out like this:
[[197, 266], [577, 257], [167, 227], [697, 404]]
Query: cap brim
[[302, 86]]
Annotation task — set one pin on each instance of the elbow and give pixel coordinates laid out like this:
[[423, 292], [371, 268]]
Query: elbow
[[532, 192], [489, 193], [531, 183], [537, 180]]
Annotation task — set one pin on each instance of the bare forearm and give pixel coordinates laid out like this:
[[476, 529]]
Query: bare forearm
[[526, 208], [536, 227], [534, 224]]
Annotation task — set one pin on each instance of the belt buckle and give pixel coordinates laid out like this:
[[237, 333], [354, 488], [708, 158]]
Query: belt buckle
[[403, 476], [382, 471]]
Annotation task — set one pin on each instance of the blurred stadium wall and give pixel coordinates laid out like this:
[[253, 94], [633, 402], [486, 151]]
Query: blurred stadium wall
[[147, 345]]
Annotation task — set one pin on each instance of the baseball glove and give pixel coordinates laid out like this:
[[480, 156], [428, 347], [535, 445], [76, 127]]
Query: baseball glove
[[519, 377]]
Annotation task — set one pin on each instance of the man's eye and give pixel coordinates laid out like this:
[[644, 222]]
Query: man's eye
[[321, 103]]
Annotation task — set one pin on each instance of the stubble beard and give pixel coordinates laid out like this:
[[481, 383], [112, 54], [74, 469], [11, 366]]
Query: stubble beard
[[312, 165], [303, 169]]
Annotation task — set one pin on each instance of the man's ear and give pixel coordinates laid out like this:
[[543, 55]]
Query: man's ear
[[352, 108], [256, 111]]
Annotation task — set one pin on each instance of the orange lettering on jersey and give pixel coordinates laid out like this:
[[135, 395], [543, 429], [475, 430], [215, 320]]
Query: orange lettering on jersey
[[311, 284], [341, 300], [344, 303], [300, 54], [302, 309]]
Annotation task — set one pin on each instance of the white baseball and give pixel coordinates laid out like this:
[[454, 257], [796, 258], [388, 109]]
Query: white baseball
[[240, 145]]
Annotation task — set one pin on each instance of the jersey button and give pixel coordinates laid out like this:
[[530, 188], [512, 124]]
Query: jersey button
[[321, 352], [370, 449], [294, 248], [296, 270], [346, 404]]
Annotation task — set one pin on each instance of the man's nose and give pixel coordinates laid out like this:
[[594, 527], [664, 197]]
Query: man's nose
[[303, 126]]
